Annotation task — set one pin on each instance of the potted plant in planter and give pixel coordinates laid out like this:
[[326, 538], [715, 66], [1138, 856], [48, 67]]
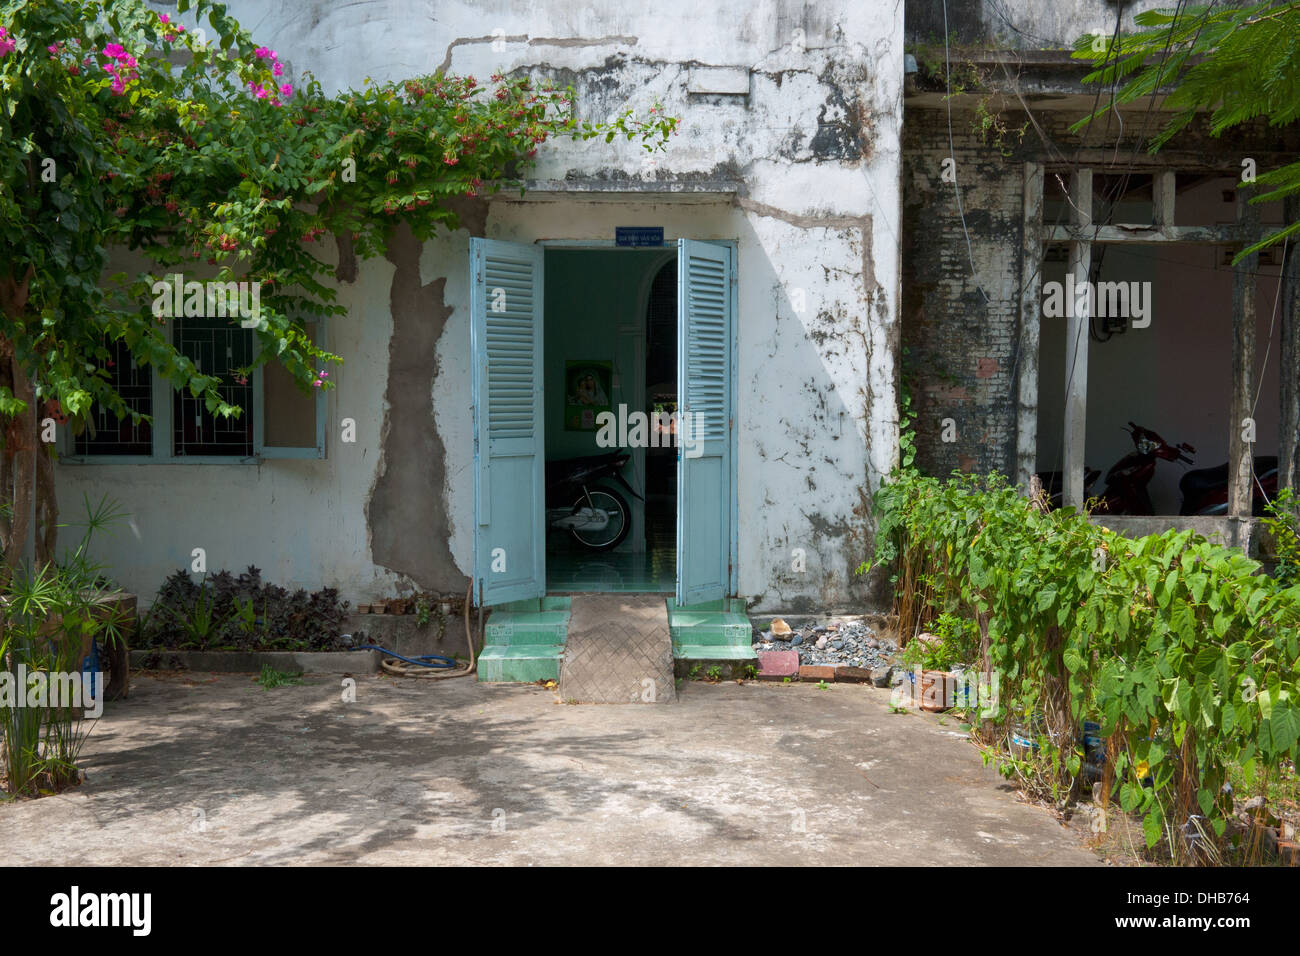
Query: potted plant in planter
[[52, 621], [934, 655]]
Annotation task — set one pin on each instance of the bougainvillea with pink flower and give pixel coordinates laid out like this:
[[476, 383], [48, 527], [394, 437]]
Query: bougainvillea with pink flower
[[221, 155]]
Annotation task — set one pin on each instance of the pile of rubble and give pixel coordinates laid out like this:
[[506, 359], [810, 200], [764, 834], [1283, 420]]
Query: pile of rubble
[[852, 642]]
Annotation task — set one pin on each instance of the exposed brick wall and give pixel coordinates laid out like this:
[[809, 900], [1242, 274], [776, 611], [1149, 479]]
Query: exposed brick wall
[[961, 346]]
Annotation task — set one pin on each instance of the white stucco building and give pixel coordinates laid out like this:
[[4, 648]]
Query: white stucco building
[[785, 178]]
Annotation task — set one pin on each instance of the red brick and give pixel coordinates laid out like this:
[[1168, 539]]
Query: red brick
[[848, 674], [816, 672], [778, 665]]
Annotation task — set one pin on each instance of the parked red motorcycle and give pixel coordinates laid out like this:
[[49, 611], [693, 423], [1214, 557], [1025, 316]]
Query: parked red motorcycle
[[1127, 481], [1205, 490]]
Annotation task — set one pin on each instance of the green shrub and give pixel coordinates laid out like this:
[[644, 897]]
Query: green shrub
[[1282, 522], [225, 612], [1182, 649]]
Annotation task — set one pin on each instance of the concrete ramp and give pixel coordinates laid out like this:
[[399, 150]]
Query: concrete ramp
[[618, 651]]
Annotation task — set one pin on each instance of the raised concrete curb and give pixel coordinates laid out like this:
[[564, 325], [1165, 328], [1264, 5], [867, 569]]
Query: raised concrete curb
[[252, 662]]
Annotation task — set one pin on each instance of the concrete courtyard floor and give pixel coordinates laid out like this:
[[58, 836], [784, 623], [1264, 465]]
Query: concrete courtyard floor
[[206, 769]]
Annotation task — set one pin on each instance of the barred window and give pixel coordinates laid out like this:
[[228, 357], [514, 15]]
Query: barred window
[[105, 433], [218, 348], [279, 419]]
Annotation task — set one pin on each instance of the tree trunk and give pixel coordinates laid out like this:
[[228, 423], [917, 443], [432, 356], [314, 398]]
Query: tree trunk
[[20, 446], [18, 461], [47, 507]]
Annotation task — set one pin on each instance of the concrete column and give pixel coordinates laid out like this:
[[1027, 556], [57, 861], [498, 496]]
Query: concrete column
[[1289, 421], [1079, 313], [1031, 286], [1240, 451], [1163, 192]]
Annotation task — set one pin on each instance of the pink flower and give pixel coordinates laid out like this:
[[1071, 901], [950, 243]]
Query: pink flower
[[6, 45], [163, 18], [277, 70], [286, 90], [261, 92], [53, 48], [118, 85], [261, 52], [115, 51]]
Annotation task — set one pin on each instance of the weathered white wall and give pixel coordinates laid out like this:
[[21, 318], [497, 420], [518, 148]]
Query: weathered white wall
[[1022, 24], [814, 147], [1034, 24]]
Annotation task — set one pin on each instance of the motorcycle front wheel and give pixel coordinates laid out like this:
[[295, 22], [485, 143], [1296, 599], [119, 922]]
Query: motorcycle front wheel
[[620, 519]]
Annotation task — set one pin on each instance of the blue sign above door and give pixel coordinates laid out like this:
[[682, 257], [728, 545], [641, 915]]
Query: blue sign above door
[[639, 235]]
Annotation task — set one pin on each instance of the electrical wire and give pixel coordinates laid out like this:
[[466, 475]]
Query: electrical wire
[[952, 153]]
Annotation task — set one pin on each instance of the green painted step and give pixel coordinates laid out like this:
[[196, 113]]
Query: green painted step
[[711, 631], [549, 603], [714, 652], [524, 641], [736, 605], [700, 624], [527, 627], [524, 663]]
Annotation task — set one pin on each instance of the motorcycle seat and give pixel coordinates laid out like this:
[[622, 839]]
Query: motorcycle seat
[[1203, 479]]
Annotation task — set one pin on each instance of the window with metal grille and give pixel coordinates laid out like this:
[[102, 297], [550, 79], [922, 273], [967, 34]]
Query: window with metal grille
[[218, 348], [105, 433]]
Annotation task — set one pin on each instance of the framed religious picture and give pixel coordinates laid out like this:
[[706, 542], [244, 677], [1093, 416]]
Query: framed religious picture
[[587, 392]]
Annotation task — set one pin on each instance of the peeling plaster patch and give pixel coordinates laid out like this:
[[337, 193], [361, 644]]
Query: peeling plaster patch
[[407, 512]]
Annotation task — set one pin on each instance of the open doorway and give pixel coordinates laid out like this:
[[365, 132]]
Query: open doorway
[[610, 356]]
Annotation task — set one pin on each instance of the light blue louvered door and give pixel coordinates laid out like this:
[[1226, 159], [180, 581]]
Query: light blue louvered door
[[509, 450], [705, 310]]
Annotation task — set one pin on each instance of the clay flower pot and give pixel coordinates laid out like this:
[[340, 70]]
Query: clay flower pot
[[938, 691]]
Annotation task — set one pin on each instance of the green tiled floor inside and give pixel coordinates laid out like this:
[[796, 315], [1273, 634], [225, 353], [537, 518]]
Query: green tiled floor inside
[[571, 567], [654, 570]]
